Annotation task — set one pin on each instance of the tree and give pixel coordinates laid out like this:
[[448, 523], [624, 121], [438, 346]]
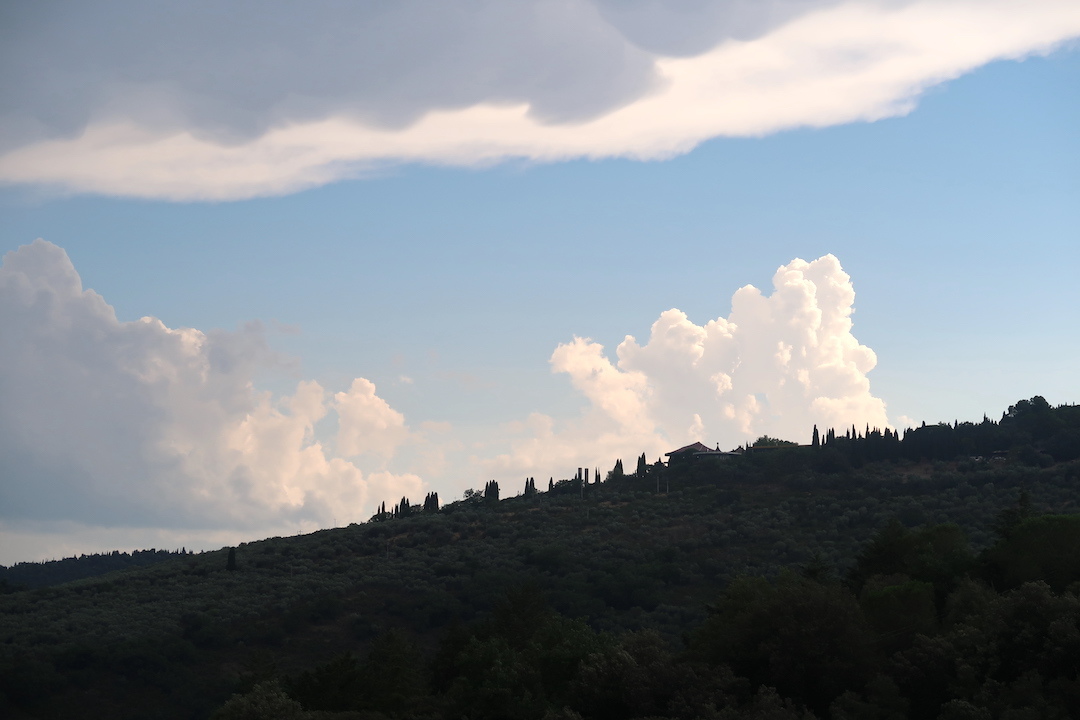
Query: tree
[[816, 442], [766, 441], [230, 564], [431, 502], [266, 700], [1009, 518], [806, 639], [1039, 548], [491, 492], [642, 466], [617, 472]]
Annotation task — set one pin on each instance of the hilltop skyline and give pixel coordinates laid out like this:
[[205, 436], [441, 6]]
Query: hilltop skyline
[[460, 280]]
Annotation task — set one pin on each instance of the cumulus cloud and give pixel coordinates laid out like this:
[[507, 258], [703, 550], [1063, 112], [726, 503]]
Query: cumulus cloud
[[367, 423], [154, 100], [135, 424], [112, 431], [777, 365]]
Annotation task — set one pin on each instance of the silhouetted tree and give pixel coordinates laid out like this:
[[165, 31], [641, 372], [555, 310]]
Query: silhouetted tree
[[807, 639], [1009, 518]]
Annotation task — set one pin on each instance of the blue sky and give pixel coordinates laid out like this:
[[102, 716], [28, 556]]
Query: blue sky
[[450, 286]]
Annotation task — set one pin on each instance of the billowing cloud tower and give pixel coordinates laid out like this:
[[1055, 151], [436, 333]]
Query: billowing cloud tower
[[777, 365]]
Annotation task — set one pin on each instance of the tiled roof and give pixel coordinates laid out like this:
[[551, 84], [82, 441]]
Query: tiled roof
[[694, 448]]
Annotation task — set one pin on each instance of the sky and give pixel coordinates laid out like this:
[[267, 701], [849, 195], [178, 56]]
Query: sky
[[265, 268]]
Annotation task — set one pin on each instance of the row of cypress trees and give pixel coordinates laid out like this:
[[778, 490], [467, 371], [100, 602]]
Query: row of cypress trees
[[404, 508]]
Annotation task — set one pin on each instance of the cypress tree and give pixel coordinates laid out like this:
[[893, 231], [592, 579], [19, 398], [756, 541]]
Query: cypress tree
[[816, 442], [431, 502]]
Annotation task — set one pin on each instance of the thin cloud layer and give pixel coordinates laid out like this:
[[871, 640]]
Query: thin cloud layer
[[777, 365], [135, 424], [156, 101]]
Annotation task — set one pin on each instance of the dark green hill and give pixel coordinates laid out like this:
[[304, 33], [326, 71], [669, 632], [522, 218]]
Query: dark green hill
[[56, 572], [420, 592]]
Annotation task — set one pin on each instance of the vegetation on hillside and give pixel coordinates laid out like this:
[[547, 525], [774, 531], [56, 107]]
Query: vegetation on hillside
[[869, 575], [54, 572]]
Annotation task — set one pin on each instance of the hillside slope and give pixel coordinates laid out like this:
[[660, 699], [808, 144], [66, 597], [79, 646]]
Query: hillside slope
[[182, 635]]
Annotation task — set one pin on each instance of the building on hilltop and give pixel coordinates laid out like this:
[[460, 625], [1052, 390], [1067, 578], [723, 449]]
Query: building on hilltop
[[695, 451]]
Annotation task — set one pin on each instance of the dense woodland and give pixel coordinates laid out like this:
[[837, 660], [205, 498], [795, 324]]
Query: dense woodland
[[929, 574], [27, 575]]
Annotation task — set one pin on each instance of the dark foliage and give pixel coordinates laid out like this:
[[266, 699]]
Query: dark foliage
[[878, 575], [55, 572]]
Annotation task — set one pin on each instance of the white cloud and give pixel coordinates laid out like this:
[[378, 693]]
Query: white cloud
[[367, 423], [543, 81], [114, 431], [777, 365], [134, 424], [903, 421]]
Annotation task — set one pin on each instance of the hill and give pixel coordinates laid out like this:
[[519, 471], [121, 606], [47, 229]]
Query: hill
[[56, 572], [570, 594]]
